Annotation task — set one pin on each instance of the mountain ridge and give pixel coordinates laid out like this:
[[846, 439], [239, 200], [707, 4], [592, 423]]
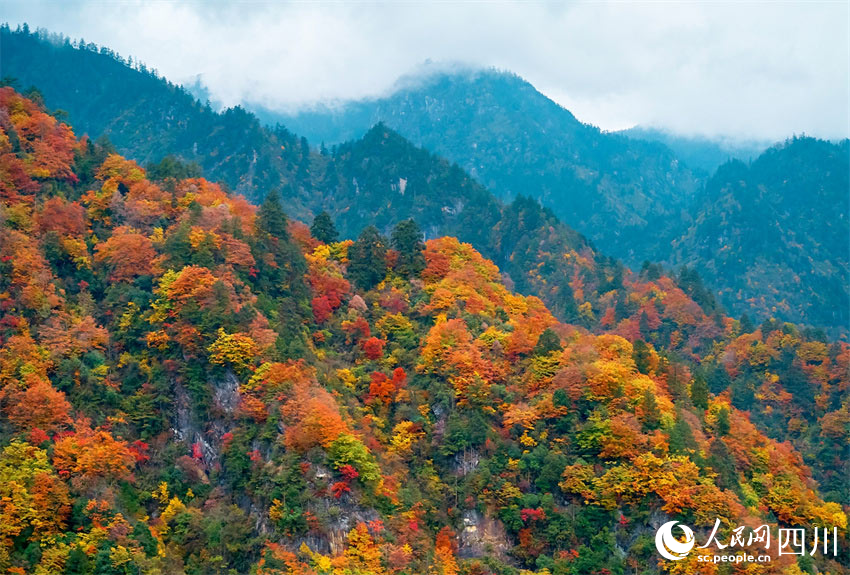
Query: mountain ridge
[[515, 140], [238, 150], [778, 226]]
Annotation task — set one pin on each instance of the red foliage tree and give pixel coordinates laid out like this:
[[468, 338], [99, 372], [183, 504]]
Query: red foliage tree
[[373, 347], [357, 330], [92, 454], [385, 388], [340, 488], [62, 217], [322, 309]]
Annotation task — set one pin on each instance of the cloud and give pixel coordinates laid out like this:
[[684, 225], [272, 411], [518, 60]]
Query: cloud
[[763, 70]]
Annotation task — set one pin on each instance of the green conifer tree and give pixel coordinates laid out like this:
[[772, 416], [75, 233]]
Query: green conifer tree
[[407, 241], [699, 392], [367, 259], [323, 228]]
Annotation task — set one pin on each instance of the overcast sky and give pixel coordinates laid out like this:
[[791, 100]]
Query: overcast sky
[[761, 70]]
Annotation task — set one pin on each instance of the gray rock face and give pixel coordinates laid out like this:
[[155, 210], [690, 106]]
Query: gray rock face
[[482, 536], [226, 393]]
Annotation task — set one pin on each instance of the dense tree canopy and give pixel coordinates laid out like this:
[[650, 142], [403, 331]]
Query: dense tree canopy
[[190, 384]]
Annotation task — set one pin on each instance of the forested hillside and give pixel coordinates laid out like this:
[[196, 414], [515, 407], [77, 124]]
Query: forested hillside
[[631, 199], [146, 117], [756, 231], [377, 180], [515, 140], [772, 236], [382, 179], [604, 185], [192, 384]]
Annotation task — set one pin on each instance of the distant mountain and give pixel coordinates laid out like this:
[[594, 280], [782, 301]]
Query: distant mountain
[[626, 195], [700, 152], [631, 196], [146, 117], [772, 236], [383, 178], [379, 179]]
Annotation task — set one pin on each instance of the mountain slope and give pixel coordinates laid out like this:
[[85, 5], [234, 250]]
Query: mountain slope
[[621, 193], [147, 118], [380, 179], [168, 403], [772, 236], [783, 259]]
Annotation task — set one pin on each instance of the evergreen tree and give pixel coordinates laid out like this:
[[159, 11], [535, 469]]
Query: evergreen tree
[[567, 301], [747, 324], [721, 427], [547, 342], [652, 271], [368, 259], [303, 173], [722, 461], [77, 562], [768, 326], [674, 380], [682, 441], [692, 284], [718, 379], [286, 276], [743, 393], [271, 219], [323, 228], [283, 281], [651, 413], [699, 392], [643, 325], [560, 398], [174, 168], [621, 309], [407, 241], [641, 356]]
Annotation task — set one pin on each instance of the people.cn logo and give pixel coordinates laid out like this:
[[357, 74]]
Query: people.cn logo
[[670, 547]]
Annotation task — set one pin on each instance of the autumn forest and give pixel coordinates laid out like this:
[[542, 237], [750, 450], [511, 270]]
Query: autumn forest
[[359, 360]]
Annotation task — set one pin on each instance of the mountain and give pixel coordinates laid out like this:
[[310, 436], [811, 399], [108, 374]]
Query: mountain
[[632, 198], [625, 195], [379, 179], [149, 119], [700, 152], [193, 384], [146, 117], [772, 236], [382, 179]]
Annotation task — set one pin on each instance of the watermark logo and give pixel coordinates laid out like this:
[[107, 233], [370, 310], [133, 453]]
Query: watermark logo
[[670, 547], [792, 541]]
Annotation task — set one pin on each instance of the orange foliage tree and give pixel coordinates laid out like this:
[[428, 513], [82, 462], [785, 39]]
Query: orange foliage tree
[[385, 388], [313, 417], [63, 217], [90, 455], [126, 255], [38, 406]]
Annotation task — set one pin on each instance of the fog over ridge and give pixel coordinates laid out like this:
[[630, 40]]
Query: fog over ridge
[[744, 70]]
